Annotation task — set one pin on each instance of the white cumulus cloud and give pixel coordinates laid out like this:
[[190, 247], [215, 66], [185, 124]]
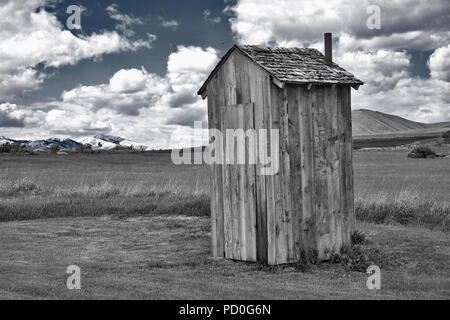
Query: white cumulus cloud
[[30, 36], [377, 56], [440, 64]]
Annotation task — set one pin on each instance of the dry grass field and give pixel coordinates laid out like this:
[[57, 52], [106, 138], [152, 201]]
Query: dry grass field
[[392, 188], [138, 227]]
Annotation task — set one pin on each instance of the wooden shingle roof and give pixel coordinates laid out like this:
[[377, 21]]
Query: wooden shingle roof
[[292, 65]]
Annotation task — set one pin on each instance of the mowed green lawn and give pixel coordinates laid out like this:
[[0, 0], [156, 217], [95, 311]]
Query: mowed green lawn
[[137, 227]]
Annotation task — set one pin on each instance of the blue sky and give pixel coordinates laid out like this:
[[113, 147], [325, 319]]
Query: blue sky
[[192, 31], [134, 67]]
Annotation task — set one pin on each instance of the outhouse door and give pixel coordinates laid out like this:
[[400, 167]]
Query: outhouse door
[[239, 181]]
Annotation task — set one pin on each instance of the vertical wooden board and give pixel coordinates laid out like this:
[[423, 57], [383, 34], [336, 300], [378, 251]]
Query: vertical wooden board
[[316, 100], [341, 147], [326, 228], [287, 182], [235, 175], [346, 96], [228, 227], [273, 122], [220, 100], [225, 183], [344, 159], [266, 85], [256, 92], [214, 122], [334, 183], [235, 179], [230, 81], [261, 179], [232, 184], [280, 240], [350, 164], [340, 225], [320, 169], [307, 169], [233, 172], [250, 190], [277, 213], [213, 199], [284, 237], [295, 168], [240, 168], [342, 106], [328, 239]]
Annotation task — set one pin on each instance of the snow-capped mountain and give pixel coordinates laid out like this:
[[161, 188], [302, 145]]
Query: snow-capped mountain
[[4, 140], [98, 142], [107, 142], [43, 145]]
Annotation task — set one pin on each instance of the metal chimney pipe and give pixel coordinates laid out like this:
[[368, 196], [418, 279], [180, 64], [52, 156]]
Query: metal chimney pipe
[[328, 44]]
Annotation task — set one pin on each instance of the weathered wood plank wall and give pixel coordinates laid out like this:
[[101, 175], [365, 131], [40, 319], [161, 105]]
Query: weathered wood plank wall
[[326, 178], [236, 187]]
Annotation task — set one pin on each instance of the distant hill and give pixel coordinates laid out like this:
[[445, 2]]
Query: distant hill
[[375, 122], [378, 129]]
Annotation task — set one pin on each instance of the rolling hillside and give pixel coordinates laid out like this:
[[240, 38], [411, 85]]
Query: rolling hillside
[[378, 129], [375, 122]]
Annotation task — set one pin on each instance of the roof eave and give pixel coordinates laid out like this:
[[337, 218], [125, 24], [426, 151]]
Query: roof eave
[[202, 91], [330, 82], [280, 83]]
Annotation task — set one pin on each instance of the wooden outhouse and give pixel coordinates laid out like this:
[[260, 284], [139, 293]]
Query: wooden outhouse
[[305, 209]]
